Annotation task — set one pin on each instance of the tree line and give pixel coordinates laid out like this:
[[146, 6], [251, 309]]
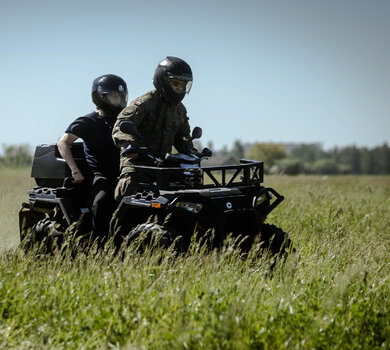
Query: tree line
[[15, 156], [311, 158], [279, 158]]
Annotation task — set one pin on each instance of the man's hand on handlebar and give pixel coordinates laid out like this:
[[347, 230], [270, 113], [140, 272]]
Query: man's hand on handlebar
[[131, 155], [77, 176]]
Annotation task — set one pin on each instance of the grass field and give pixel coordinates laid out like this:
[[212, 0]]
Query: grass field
[[14, 184], [333, 293]]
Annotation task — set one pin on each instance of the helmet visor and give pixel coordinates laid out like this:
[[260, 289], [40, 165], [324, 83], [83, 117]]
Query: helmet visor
[[180, 84], [116, 100], [114, 95]]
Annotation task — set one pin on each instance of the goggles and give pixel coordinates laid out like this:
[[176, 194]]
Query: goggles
[[180, 84]]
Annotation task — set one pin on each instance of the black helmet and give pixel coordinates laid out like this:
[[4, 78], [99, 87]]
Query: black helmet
[[109, 84], [173, 79]]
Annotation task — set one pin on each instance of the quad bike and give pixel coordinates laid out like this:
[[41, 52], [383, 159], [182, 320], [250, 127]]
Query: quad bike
[[173, 201], [56, 203]]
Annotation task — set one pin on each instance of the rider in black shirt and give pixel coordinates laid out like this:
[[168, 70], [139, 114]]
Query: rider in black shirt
[[100, 152], [109, 93]]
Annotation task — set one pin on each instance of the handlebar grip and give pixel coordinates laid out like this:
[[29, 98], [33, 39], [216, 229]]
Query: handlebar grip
[[207, 152], [138, 150], [129, 150], [68, 182]]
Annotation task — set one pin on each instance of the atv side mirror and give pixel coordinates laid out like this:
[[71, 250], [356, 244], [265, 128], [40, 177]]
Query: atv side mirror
[[196, 133]]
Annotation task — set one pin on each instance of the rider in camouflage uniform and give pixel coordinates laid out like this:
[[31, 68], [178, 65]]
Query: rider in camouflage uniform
[[161, 120]]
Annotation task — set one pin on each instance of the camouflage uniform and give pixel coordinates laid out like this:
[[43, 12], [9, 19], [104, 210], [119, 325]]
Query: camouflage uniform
[[161, 125]]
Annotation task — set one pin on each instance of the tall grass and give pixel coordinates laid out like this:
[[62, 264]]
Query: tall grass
[[14, 183], [332, 293]]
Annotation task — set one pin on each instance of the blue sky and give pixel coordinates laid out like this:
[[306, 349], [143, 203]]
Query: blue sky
[[282, 71]]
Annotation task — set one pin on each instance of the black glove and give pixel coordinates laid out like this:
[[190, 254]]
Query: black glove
[[207, 152]]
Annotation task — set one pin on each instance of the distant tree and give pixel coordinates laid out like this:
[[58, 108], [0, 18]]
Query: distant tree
[[224, 151], [386, 157], [307, 153], [381, 158], [289, 166], [238, 150], [325, 166], [15, 156], [210, 145], [367, 162], [350, 156], [268, 152]]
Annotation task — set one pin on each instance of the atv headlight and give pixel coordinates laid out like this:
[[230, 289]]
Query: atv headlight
[[257, 201], [191, 207]]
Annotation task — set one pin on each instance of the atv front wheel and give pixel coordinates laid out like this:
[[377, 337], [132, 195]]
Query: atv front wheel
[[274, 239], [149, 235]]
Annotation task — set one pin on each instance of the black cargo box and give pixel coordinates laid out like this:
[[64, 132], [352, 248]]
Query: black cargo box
[[50, 170]]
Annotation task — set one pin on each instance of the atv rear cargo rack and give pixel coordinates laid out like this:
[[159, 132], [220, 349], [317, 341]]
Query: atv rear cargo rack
[[247, 173]]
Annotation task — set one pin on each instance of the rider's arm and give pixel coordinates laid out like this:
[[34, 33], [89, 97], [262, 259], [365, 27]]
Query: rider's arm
[[182, 140], [64, 148], [122, 140]]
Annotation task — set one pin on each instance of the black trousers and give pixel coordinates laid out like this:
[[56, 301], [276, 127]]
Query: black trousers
[[103, 204]]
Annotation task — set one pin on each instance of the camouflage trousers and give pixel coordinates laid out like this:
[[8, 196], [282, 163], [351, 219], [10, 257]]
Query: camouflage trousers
[[127, 184]]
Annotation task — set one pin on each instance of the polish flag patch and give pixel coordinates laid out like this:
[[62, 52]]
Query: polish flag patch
[[137, 103]]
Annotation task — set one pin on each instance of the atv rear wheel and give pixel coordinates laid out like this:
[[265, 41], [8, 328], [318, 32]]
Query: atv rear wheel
[[46, 234], [274, 239], [27, 219]]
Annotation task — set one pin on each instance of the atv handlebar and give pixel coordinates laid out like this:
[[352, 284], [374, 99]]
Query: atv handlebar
[[140, 150], [193, 157], [179, 158], [131, 129]]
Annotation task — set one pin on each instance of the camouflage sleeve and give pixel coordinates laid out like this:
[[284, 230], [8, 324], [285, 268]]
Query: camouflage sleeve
[[183, 141], [132, 113]]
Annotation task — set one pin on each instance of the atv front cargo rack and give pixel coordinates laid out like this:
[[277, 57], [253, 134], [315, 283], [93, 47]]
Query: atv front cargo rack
[[247, 173]]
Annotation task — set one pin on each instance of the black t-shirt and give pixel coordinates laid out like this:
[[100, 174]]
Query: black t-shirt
[[100, 151]]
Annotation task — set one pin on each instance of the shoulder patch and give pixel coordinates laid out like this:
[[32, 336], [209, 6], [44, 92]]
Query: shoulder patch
[[137, 102]]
